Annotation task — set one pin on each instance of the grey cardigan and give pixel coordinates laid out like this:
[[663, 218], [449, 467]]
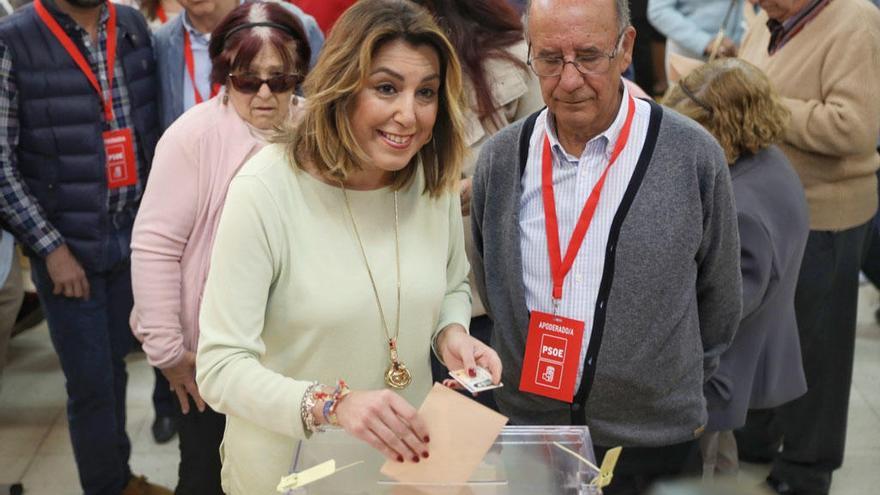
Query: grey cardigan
[[669, 296], [763, 367]]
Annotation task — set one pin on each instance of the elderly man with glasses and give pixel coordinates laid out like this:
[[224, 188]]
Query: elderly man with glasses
[[607, 251]]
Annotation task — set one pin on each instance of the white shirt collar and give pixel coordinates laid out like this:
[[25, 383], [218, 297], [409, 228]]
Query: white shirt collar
[[196, 36], [609, 135]]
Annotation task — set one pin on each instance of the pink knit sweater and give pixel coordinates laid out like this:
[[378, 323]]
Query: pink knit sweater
[[174, 231]]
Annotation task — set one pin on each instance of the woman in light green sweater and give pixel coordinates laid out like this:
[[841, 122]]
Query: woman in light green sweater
[[340, 255]]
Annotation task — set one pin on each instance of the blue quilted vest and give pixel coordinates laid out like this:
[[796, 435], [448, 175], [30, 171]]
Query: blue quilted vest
[[60, 151]]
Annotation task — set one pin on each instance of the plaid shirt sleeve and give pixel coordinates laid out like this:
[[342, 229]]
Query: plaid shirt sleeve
[[19, 211]]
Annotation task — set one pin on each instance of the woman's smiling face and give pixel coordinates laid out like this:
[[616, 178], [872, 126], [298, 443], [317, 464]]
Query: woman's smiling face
[[394, 111]]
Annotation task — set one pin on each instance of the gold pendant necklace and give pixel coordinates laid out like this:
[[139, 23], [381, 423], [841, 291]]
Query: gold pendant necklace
[[397, 376]]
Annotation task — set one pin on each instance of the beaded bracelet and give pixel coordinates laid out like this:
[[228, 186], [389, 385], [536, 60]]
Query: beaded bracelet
[[306, 406], [331, 401]]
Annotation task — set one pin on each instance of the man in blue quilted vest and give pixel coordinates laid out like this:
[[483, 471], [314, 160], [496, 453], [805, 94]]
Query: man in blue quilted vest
[[78, 124]]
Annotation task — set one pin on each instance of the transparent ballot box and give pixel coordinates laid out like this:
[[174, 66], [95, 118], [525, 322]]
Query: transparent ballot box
[[523, 460]]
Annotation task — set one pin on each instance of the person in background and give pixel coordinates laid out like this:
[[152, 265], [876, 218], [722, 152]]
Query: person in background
[[183, 59], [159, 12], [182, 55], [259, 53], [828, 83], [6, 8], [30, 312], [691, 26], [762, 368], [178, 59], [649, 288], [70, 200], [156, 12], [871, 260], [648, 52], [499, 89], [340, 255], [11, 295], [164, 426]]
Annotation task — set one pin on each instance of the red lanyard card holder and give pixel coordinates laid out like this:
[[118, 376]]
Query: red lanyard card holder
[[121, 164], [553, 350]]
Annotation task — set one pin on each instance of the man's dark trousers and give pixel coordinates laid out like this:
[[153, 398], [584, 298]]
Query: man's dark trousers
[[92, 338], [871, 257], [813, 427]]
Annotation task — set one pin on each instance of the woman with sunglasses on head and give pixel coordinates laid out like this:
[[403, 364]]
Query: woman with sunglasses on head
[[259, 53], [762, 368], [339, 260]]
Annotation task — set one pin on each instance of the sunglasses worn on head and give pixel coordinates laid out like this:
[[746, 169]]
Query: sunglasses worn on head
[[252, 84]]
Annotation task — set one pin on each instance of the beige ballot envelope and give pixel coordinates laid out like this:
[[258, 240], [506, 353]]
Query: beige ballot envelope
[[461, 431]]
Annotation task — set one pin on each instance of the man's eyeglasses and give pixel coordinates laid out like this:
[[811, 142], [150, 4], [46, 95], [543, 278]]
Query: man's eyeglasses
[[596, 62], [252, 84]]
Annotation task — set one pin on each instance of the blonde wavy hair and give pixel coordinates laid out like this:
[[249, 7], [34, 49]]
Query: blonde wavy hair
[[325, 137], [735, 102]]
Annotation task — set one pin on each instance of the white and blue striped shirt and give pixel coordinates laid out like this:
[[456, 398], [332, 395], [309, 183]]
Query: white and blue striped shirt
[[573, 180]]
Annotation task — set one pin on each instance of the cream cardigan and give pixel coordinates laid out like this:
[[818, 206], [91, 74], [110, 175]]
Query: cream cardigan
[[288, 300], [829, 77]]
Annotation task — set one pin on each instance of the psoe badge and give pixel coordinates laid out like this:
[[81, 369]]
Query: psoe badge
[[550, 363]]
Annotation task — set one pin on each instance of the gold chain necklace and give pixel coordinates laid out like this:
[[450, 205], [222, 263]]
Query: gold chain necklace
[[397, 376]]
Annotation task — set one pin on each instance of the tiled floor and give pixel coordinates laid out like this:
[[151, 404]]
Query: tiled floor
[[860, 474], [34, 445]]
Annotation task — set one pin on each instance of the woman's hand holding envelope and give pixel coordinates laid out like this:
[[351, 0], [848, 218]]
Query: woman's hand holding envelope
[[387, 422]]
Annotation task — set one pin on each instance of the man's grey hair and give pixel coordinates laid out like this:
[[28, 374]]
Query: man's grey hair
[[623, 18]]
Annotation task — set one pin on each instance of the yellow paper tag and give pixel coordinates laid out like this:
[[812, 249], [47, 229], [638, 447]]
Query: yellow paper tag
[[311, 475], [606, 472]]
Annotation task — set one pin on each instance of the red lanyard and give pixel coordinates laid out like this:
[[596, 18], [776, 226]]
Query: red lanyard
[[559, 267], [73, 51], [191, 68], [160, 13]]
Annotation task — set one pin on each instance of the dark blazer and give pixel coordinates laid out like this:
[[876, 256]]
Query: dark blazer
[[762, 368]]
